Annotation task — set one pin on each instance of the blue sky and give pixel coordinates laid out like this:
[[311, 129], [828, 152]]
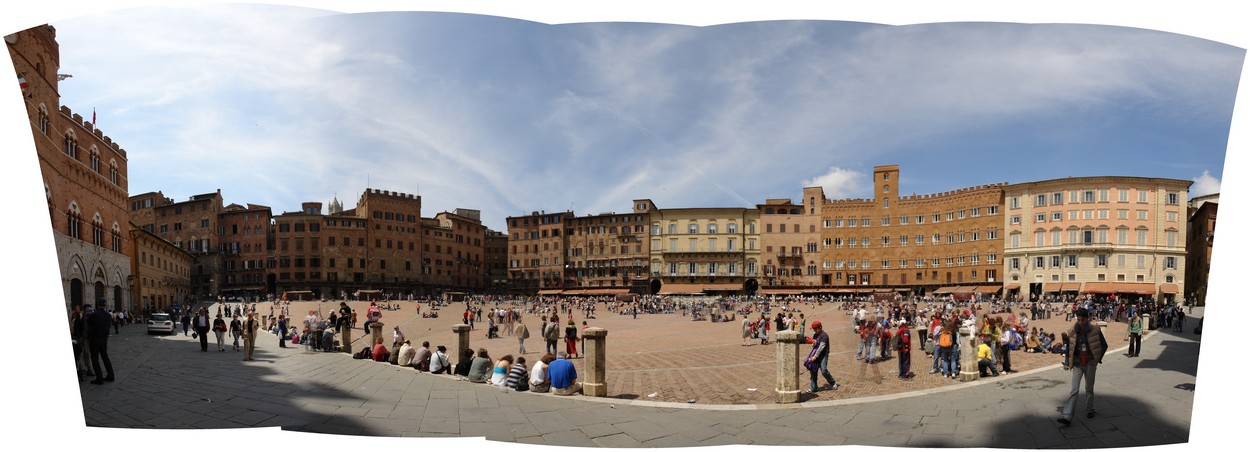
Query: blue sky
[[510, 116]]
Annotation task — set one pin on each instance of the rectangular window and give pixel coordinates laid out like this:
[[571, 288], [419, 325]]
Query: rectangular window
[[1071, 261], [903, 220], [672, 245], [729, 245], [1119, 262], [1013, 203], [1015, 219], [1173, 199], [1123, 194], [1121, 237], [1039, 218], [993, 210], [1087, 196], [1056, 198], [885, 221], [866, 222], [1100, 260], [1039, 238], [1039, 201], [1039, 262], [1104, 214], [693, 242], [1141, 261], [1141, 196], [1103, 195], [1056, 216]]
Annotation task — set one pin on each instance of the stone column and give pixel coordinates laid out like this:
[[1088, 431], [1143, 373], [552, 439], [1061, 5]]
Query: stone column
[[788, 365], [376, 328], [462, 344], [345, 336], [596, 383], [968, 343]]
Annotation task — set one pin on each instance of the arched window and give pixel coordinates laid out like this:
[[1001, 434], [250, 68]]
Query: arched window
[[43, 119], [74, 228], [117, 238], [97, 230], [113, 171], [94, 159], [71, 145]]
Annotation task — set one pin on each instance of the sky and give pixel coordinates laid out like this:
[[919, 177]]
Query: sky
[[591, 116], [278, 105]]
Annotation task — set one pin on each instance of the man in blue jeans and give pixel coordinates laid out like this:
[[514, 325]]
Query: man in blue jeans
[[820, 355]]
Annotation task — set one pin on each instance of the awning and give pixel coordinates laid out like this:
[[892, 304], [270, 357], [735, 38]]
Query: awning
[[1052, 287], [1071, 287], [781, 291], [1170, 288], [549, 292], [605, 291], [681, 289], [944, 290], [1011, 286], [988, 289], [965, 289], [843, 291], [1135, 288], [722, 287], [1099, 287]]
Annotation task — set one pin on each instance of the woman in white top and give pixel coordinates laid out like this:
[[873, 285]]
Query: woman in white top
[[538, 375]]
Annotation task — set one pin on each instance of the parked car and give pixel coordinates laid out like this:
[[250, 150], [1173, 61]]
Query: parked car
[[160, 322]]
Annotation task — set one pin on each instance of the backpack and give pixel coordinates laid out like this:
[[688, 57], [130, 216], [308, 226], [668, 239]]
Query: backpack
[[945, 339]]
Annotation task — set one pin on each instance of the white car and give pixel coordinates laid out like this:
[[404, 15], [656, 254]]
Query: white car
[[161, 322]]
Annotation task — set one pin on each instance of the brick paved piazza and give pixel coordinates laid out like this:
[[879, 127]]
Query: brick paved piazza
[[679, 360]]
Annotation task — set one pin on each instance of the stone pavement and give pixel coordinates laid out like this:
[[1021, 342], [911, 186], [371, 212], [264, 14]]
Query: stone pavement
[[167, 383]]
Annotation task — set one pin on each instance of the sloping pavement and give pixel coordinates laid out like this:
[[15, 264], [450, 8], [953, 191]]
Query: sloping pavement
[[168, 383]]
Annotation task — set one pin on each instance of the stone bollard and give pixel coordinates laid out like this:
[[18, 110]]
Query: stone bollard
[[596, 382], [968, 356], [345, 336], [788, 365], [462, 342], [376, 328]]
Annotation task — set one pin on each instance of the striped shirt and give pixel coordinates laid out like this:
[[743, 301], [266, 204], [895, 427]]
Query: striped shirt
[[515, 375]]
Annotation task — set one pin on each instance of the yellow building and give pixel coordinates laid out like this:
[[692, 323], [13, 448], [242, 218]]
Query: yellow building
[[1099, 236], [703, 250]]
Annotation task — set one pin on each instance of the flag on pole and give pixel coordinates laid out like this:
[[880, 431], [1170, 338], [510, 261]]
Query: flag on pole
[[93, 116], [21, 81]]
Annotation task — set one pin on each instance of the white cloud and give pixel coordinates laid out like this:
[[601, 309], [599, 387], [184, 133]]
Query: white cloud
[[1205, 184], [838, 183]]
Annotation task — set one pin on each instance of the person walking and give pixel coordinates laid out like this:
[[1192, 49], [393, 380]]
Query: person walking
[[1133, 336], [236, 330], [98, 323], [551, 333], [250, 327], [522, 333], [1085, 352], [202, 323], [570, 339], [746, 330], [818, 359], [219, 330]]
